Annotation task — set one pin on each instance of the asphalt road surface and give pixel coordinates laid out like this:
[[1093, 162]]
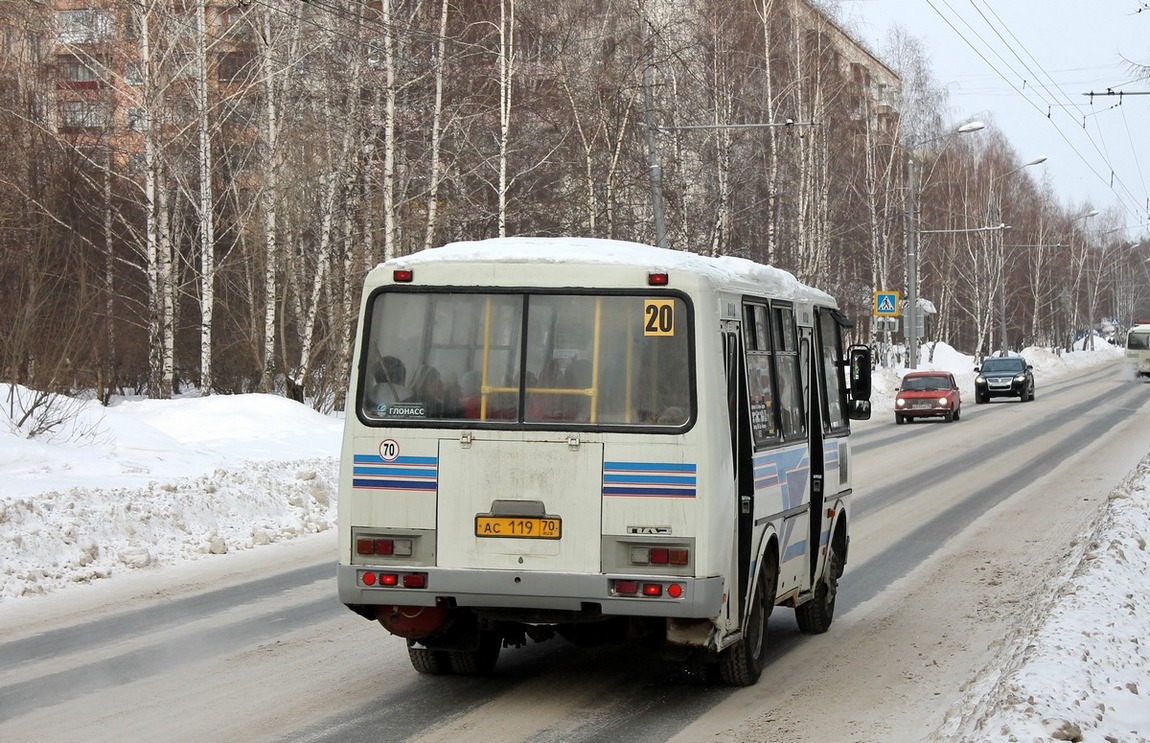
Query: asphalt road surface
[[958, 529]]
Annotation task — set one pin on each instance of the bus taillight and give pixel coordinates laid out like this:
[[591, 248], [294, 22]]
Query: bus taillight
[[660, 556], [647, 590], [384, 547], [393, 580], [626, 587]]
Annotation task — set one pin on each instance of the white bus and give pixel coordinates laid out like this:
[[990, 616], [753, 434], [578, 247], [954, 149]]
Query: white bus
[[602, 440], [1138, 349]]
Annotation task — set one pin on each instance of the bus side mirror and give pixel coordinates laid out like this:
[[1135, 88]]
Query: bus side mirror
[[858, 358], [858, 410]]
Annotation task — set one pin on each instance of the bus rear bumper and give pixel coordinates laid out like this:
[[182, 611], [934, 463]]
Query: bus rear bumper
[[698, 598]]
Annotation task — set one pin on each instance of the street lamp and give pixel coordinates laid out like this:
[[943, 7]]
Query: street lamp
[[1002, 258], [911, 332], [1072, 315]]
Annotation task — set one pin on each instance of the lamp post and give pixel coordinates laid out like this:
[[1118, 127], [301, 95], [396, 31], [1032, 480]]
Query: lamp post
[[911, 331], [1097, 254], [1002, 257], [1073, 313]]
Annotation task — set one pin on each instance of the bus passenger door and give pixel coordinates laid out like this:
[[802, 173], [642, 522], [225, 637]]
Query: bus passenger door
[[739, 416], [809, 363]]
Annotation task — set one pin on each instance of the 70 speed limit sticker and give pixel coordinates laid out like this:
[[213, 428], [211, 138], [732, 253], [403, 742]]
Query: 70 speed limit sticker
[[388, 450]]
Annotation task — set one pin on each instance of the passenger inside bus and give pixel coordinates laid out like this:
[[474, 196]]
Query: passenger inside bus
[[470, 401], [427, 387], [388, 376], [550, 407]]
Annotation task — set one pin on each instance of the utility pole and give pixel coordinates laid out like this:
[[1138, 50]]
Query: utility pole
[[652, 145], [652, 130], [911, 329]]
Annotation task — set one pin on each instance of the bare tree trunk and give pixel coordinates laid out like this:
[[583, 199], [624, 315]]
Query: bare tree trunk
[[151, 240], [207, 207], [436, 128], [167, 280], [109, 362], [269, 197], [766, 11], [506, 71], [388, 186]]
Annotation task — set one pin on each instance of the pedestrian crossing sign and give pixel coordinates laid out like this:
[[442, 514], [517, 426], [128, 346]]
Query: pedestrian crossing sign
[[886, 304]]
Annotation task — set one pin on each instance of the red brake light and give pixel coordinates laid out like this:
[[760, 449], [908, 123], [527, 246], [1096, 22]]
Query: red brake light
[[415, 580], [402, 275], [658, 278], [629, 587], [660, 556], [388, 579], [674, 590], [652, 589]]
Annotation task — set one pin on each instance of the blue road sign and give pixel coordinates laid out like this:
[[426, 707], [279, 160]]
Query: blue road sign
[[886, 304]]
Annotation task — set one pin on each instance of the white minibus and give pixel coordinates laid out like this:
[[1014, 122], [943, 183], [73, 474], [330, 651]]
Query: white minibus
[[600, 440]]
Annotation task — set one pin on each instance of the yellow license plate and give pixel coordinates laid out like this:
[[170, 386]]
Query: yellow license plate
[[519, 527]]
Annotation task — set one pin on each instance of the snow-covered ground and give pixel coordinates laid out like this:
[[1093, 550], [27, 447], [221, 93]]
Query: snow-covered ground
[[144, 484]]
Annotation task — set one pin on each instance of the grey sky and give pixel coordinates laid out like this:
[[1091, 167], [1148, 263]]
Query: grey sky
[[1024, 66]]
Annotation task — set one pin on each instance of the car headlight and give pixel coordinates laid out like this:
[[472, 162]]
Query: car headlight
[[980, 379], [943, 401], [899, 403], [1020, 378]]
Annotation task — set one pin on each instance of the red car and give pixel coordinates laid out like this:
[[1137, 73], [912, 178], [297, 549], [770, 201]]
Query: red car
[[927, 394]]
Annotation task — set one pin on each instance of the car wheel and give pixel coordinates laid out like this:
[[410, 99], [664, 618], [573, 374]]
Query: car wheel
[[898, 419], [979, 399], [957, 413], [949, 417]]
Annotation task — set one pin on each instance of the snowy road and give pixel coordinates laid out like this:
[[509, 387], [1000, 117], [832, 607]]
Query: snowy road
[[959, 531]]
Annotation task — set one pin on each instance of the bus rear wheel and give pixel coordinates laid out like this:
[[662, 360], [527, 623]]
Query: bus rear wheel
[[478, 662], [742, 664], [814, 617], [433, 662]]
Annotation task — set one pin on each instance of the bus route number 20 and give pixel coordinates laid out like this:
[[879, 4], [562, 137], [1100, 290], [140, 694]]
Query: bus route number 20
[[659, 317]]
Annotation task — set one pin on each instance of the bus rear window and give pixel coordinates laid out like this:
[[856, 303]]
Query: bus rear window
[[542, 359]]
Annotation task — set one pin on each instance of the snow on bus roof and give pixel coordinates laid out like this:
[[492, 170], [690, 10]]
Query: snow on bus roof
[[723, 269]]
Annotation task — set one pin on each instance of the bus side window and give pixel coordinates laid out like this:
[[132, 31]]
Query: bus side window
[[786, 355], [760, 379], [830, 352]]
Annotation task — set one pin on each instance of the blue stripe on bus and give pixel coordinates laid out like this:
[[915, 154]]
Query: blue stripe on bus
[[376, 459], [648, 467], [408, 474], [795, 549], [381, 484], [649, 479], [665, 480], [650, 492], [394, 472]]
